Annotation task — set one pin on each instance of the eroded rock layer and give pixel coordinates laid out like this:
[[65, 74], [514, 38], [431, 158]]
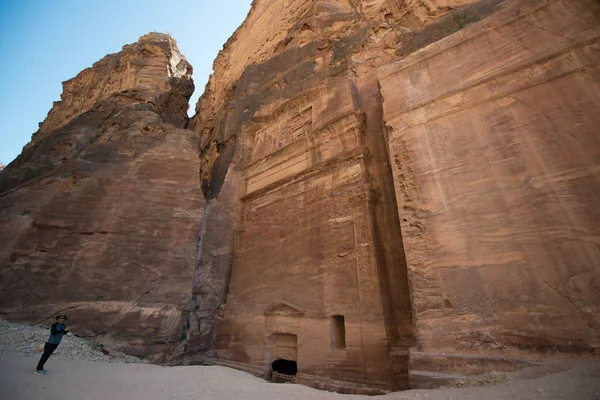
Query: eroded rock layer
[[399, 186], [103, 208], [295, 168], [495, 165], [390, 194]]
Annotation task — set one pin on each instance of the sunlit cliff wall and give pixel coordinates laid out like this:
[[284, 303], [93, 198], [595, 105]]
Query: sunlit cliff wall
[[375, 160]]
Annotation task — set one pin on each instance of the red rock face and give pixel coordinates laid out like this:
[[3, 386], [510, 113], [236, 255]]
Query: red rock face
[[106, 231], [150, 67], [391, 194], [307, 223], [359, 169], [494, 147]]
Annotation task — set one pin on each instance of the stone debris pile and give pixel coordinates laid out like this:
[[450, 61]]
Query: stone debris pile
[[24, 339]]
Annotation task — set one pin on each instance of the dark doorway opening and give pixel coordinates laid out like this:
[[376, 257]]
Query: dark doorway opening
[[285, 367], [284, 371], [285, 354]]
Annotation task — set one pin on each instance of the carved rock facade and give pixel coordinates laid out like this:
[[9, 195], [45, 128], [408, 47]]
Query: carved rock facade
[[392, 194], [403, 191]]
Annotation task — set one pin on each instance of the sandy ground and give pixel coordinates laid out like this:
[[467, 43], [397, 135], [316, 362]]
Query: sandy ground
[[74, 380]]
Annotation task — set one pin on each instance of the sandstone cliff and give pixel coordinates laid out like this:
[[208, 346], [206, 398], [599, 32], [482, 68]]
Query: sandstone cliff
[[100, 211], [390, 194], [357, 160]]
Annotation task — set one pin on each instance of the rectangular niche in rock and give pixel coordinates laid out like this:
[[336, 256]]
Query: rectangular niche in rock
[[338, 333]]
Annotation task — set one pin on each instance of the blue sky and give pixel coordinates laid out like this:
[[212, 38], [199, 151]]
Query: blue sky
[[46, 42]]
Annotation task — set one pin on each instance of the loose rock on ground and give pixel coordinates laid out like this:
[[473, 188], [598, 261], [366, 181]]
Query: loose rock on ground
[[24, 339], [79, 372]]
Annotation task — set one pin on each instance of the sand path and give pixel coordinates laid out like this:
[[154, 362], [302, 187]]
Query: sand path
[[74, 380]]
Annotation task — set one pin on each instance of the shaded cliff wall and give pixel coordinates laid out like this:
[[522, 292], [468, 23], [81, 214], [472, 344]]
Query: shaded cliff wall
[[495, 149], [103, 205], [304, 86], [305, 247], [429, 246]]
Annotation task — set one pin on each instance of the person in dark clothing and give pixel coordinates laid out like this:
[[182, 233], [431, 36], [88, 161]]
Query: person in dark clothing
[[57, 331]]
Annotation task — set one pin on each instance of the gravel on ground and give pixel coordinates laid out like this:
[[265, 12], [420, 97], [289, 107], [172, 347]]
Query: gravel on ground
[[25, 339], [79, 372]]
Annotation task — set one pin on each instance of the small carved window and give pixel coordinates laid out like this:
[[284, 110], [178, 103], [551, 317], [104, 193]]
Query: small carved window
[[338, 332]]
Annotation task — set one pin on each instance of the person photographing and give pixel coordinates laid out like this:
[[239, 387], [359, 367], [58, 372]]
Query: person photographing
[[57, 331]]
